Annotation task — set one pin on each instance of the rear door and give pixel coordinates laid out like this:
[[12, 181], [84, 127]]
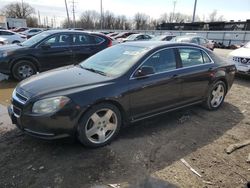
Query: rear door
[[57, 54], [84, 45], [196, 73]]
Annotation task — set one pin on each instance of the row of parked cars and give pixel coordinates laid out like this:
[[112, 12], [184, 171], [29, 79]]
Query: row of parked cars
[[97, 93], [100, 86]]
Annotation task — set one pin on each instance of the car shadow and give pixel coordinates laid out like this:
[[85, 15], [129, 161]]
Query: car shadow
[[140, 149], [243, 80]]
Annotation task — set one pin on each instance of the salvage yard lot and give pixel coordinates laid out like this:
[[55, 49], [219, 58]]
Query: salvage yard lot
[[148, 152]]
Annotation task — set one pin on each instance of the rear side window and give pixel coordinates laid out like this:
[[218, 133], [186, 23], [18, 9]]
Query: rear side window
[[162, 61], [192, 57], [6, 33], [98, 40]]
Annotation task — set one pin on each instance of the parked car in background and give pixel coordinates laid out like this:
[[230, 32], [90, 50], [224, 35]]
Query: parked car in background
[[48, 50], [11, 37], [196, 40], [137, 37], [112, 34], [20, 29], [122, 84], [3, 41], [123, 35], [241, 58], [163, 37], [31, 32]]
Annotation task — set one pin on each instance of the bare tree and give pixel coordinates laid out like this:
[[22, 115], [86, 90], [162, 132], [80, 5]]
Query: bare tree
[[109, 20], [141, 21], [32, 22], [89, 19], [213, 17], [18, 10]]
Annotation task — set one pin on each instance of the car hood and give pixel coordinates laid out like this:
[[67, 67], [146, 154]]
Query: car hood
[[61, 79], [241, 52], [10, 47]]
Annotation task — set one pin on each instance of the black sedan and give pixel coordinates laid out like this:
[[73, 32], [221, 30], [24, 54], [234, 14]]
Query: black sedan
[[48, 50], [119, 85]]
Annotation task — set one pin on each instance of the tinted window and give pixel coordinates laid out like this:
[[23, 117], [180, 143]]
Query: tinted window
[[58, 40], [82, 39], [6, 33], [191, 57], [206, 59], [98, 40], [162, 61]]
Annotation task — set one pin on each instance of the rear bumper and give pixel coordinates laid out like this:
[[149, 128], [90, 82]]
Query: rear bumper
[[4, 66]]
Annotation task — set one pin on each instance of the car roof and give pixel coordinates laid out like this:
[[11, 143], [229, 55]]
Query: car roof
[[160, 44], [66, 31]]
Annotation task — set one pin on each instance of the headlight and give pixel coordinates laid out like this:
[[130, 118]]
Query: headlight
[[49, 105]]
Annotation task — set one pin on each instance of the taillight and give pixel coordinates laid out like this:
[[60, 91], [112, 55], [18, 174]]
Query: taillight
[[110, 43]]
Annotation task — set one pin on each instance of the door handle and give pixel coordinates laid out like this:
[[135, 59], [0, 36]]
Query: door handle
[[175, 76]]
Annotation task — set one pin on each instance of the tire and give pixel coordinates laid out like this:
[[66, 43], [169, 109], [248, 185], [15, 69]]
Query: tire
[[99, 126], [216, 96], [15, 42], [23, 69]]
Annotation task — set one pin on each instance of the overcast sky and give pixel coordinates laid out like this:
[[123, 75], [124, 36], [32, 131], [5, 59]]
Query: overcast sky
[[230, 9]]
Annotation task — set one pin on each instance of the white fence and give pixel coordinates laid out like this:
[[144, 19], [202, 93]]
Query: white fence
[[225, 37]]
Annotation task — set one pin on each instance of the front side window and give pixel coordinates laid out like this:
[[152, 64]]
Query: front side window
[[58, 40], [162, 61], [192, 57]]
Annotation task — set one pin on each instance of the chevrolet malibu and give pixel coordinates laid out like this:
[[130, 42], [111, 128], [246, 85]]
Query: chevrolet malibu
[[120, 85]]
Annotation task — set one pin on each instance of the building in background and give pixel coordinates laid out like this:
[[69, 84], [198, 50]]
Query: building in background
[[10, 23]]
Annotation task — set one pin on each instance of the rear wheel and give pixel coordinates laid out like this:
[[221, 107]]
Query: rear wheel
[[100, 125], [23, 69], [216, 96]]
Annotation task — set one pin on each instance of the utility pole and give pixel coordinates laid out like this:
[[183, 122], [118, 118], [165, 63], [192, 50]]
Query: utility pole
[[101, 20], [174, 10], [39, 18], [73, 12], [22, 10], [66, 6], [195, 2]]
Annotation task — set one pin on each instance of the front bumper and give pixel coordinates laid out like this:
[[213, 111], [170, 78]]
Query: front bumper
[[243, 69], [48, 127], [4, 66]]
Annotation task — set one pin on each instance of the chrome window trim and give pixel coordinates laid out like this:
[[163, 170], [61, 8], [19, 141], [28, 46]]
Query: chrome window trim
[[181, 68]]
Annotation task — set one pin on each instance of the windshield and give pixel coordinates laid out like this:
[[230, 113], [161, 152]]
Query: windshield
[[247, 45], [35, 39], [132, 37], [159, 37], [114, 61]]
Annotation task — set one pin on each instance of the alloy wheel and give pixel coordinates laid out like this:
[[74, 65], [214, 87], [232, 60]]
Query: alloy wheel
[[101, 126], [217, 95]]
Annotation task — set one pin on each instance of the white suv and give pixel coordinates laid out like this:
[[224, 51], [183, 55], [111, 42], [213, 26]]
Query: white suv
[[241, 58]]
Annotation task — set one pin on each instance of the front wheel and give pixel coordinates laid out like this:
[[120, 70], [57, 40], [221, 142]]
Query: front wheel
[[216, 96], [23, 69], [100, 125]]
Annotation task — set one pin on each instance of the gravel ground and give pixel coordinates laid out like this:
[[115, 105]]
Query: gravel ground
[[146, 154]]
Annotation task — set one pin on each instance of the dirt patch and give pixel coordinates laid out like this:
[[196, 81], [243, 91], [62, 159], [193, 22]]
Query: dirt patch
[[146, 153]]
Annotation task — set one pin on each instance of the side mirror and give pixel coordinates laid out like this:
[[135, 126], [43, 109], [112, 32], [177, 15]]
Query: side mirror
[[45, 46], [144, 71]]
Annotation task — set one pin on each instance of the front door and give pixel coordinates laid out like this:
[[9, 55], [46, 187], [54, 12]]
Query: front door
[[57, 53], [156, 92]]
